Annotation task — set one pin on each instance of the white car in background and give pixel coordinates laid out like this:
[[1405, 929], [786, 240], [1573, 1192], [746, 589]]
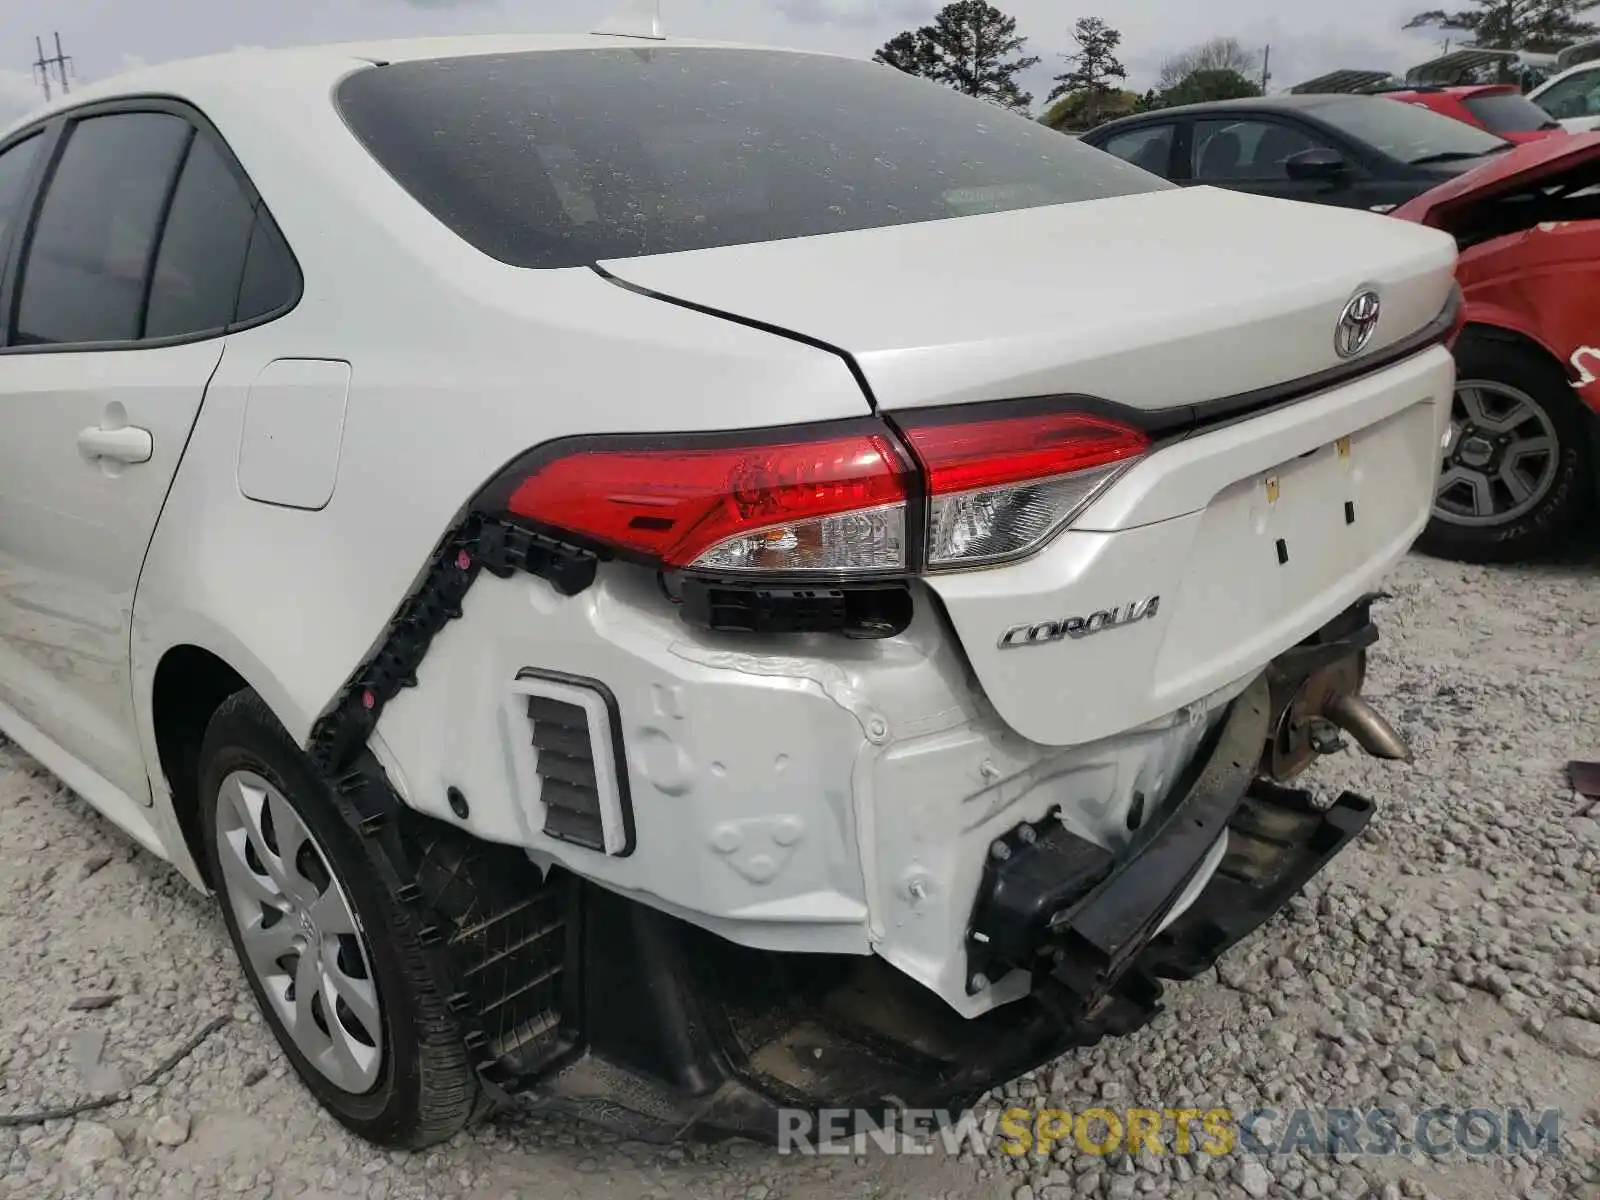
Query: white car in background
[[1572, 97], [679, 579]]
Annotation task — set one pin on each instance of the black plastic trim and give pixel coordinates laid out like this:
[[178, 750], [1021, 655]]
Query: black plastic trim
[[457, 892], [619, 751], [57, 127], [774, 604], [1162, 426], [476, 544], [1089, 924]]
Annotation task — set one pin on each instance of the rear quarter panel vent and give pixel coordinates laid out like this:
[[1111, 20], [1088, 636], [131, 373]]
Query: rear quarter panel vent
[[571, 767]]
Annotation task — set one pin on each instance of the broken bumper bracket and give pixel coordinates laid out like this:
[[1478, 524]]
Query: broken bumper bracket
[[1088, 925], [1279, 839]]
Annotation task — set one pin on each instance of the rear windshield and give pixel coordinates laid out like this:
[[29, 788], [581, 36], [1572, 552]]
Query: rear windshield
[[1508, 112], [1407, 131], [563, 158]]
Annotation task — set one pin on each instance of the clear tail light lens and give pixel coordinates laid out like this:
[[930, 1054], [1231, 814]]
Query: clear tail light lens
[[999, 489], [829, 502]]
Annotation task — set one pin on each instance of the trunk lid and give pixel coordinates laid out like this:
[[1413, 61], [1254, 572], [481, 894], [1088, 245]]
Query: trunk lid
[[1153, 301], [1208, 556], [1458, 205]]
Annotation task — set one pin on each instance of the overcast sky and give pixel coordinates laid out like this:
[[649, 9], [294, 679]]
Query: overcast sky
[[106, 36]]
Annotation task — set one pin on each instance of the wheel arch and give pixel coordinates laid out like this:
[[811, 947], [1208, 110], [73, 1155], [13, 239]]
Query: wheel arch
[[1488, 327], [179, 685], [189, 685]]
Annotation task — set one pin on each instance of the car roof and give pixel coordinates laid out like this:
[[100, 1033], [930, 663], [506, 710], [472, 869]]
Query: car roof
[[1284, 103], [237, 70]]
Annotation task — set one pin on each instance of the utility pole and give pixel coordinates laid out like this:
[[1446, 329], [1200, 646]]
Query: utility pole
[[42, 65], [1266, 69]]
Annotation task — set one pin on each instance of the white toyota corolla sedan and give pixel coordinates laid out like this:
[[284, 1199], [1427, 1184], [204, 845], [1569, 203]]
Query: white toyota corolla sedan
[[682, 581]]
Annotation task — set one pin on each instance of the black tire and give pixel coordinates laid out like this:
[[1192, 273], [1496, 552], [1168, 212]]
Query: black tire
[[426, 1090], [1570, 497]]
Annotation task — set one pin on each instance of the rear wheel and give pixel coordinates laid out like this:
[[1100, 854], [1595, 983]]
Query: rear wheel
[[333, 961], [1519, 467]]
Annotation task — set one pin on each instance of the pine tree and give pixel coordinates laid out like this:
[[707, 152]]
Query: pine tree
[[1093, 67], [972, 47], [1537, 25]]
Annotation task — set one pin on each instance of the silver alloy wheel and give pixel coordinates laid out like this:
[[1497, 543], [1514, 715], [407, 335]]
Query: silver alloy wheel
[[301, 940], [1501, 456]]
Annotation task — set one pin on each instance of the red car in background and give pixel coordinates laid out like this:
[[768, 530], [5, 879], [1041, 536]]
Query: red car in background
[[1500, 108], [1521, 468]]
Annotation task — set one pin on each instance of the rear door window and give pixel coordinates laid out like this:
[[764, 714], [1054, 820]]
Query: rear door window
[[195, 285], [1148, 148], [271, 280], [1248, 150], [84, 276], [564, 158], [16, 165]]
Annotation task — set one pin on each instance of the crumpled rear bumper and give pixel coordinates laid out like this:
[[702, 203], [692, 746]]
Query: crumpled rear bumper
[[731, 1035]]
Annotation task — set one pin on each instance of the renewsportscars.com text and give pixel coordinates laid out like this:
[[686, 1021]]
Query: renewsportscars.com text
[[1099, 1131]]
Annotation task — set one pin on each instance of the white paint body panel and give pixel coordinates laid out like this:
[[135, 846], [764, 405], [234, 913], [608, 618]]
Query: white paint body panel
[[1195, 525], [787, 795], [1124, 299], [73, 533], [293, 427]]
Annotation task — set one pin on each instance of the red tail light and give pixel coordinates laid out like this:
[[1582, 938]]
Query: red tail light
[[835, 500], [1001, 488]]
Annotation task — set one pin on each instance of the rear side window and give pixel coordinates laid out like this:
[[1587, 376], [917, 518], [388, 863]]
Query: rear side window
[[1149, 149], [1508, 112], [15, 166], [564, 158], [1575, 96], [84, 277], [271, 275], [197, 271]]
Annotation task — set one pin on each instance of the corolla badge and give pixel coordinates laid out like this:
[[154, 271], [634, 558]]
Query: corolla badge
[[1042, 633], [1357, 324]]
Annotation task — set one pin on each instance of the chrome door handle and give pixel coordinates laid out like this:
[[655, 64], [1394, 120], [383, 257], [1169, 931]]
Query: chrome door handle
[[127, 445]]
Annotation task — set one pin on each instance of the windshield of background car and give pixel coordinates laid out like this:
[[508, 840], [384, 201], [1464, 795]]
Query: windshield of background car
[[564, 158], [1405, 131]]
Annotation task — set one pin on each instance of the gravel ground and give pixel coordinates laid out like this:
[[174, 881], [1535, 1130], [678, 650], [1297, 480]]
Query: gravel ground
[[1451, 958]]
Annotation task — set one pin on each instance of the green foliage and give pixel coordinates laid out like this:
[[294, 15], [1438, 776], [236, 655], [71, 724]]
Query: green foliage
[[1071, 114], [1217, 54], [1203, 86], [1542, 26], [1092, 69], [971, 46]]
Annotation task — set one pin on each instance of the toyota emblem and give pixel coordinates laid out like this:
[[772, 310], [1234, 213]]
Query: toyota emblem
[[1357, 324]]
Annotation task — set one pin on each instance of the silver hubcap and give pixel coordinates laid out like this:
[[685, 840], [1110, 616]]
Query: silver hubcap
[[301, 940], [1501, 456]]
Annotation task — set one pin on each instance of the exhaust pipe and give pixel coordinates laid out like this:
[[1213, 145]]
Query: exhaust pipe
[[1368, 726]]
